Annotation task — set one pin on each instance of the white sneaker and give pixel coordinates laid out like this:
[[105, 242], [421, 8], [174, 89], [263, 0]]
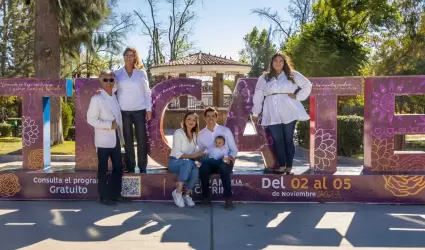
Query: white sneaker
[[188, 200], [178, 199]]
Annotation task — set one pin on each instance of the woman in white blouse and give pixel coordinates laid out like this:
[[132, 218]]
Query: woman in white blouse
[[278, 95], [134, 97], [182, 159]]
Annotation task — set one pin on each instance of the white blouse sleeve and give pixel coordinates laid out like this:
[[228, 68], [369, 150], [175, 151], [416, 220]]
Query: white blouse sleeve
[[178, 141], [304, 84], [147, 90], [258, 96]]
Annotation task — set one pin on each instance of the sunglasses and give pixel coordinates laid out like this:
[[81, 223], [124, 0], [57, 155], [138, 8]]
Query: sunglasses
[[108, 79]]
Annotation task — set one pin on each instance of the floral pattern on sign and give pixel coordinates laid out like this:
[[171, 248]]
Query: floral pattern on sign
[[324, 151], [412, 163], [404, 185], [383, 157], [383, 102], [35, 159], [29, 131], [9, 185]]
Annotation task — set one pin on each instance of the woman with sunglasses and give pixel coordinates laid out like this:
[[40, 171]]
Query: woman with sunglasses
[[134, 97]]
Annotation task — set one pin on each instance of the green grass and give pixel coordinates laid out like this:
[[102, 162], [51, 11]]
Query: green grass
[[13, 146]]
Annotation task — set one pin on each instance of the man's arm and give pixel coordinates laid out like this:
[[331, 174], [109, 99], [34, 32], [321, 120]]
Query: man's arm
[[231, 143], [201, 146], [93, 115]]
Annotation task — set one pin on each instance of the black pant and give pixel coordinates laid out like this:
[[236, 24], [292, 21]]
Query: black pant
[[283, 140], [109, 188], [138, 118], [211, 166]]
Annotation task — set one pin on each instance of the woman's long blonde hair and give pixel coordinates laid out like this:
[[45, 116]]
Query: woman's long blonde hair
[[137, 64]]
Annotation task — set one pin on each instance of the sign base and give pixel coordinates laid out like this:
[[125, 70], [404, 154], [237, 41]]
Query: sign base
[[82, 185]]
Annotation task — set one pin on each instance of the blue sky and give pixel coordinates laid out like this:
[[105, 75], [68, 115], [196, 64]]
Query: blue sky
[[220, 25]]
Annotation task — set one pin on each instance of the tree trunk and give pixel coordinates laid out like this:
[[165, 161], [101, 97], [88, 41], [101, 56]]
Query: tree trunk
[[5, 37], [47, 59]]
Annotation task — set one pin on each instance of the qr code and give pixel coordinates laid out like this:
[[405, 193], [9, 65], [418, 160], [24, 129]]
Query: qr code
[[131, 186]]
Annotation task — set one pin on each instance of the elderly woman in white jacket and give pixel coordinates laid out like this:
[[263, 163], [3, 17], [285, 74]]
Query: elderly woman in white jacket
[[278, 95], [182, 159]]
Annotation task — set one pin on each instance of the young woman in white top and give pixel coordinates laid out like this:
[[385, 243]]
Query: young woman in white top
[[182, 159], [278, 95], [134, 97]]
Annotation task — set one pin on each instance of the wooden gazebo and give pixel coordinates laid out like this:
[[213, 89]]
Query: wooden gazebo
[[202, 64]]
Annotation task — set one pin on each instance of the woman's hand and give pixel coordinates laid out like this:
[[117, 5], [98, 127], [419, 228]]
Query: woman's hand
[[198, 154], [293, 96], [148, 115], [254, 119]]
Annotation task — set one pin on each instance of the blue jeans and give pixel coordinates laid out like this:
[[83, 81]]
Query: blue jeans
[[186, 169], [283, 141]]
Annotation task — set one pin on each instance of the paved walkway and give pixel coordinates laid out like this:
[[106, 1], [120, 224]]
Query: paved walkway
[[72, 225]]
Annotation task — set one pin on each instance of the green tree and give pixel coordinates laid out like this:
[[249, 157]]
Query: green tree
[[401, 51], [66, 25], [258, 51]]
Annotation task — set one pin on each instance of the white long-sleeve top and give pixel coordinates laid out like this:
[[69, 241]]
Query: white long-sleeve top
[[217, 153], [182, 145], [280, 108], [133, 92], [206, 139]]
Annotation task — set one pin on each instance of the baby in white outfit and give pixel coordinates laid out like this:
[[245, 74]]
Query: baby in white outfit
[[219, 151]]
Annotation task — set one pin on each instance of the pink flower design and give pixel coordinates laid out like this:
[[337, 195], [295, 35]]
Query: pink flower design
[[29, 131], [325, 150]]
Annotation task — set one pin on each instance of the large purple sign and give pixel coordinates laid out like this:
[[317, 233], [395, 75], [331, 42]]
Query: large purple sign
[[35, 115], [380, 122]]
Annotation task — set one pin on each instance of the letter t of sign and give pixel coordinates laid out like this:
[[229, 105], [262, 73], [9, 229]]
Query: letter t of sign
[[323, 119], [36, 95]]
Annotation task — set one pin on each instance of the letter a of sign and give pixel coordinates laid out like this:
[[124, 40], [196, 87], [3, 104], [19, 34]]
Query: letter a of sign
[[237, 118]]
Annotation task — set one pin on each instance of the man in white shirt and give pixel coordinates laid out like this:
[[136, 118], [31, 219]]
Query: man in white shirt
[[211, 166], [105, 116]]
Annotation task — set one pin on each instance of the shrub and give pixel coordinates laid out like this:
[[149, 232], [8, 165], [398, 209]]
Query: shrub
[[5, 130], [15, 121], [66, 118], [350, 134], [71, 134]]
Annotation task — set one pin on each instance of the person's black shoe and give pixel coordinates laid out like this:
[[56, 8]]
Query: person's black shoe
[[108, 202], [206, 201], [129, 171], [120, 199], [228, 204]]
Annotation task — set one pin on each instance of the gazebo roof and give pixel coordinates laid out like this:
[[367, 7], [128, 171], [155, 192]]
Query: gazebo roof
[[201, 59], [201, 63]]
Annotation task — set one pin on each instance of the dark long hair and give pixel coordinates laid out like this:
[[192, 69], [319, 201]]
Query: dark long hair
[[287, 68], [195, 130]]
